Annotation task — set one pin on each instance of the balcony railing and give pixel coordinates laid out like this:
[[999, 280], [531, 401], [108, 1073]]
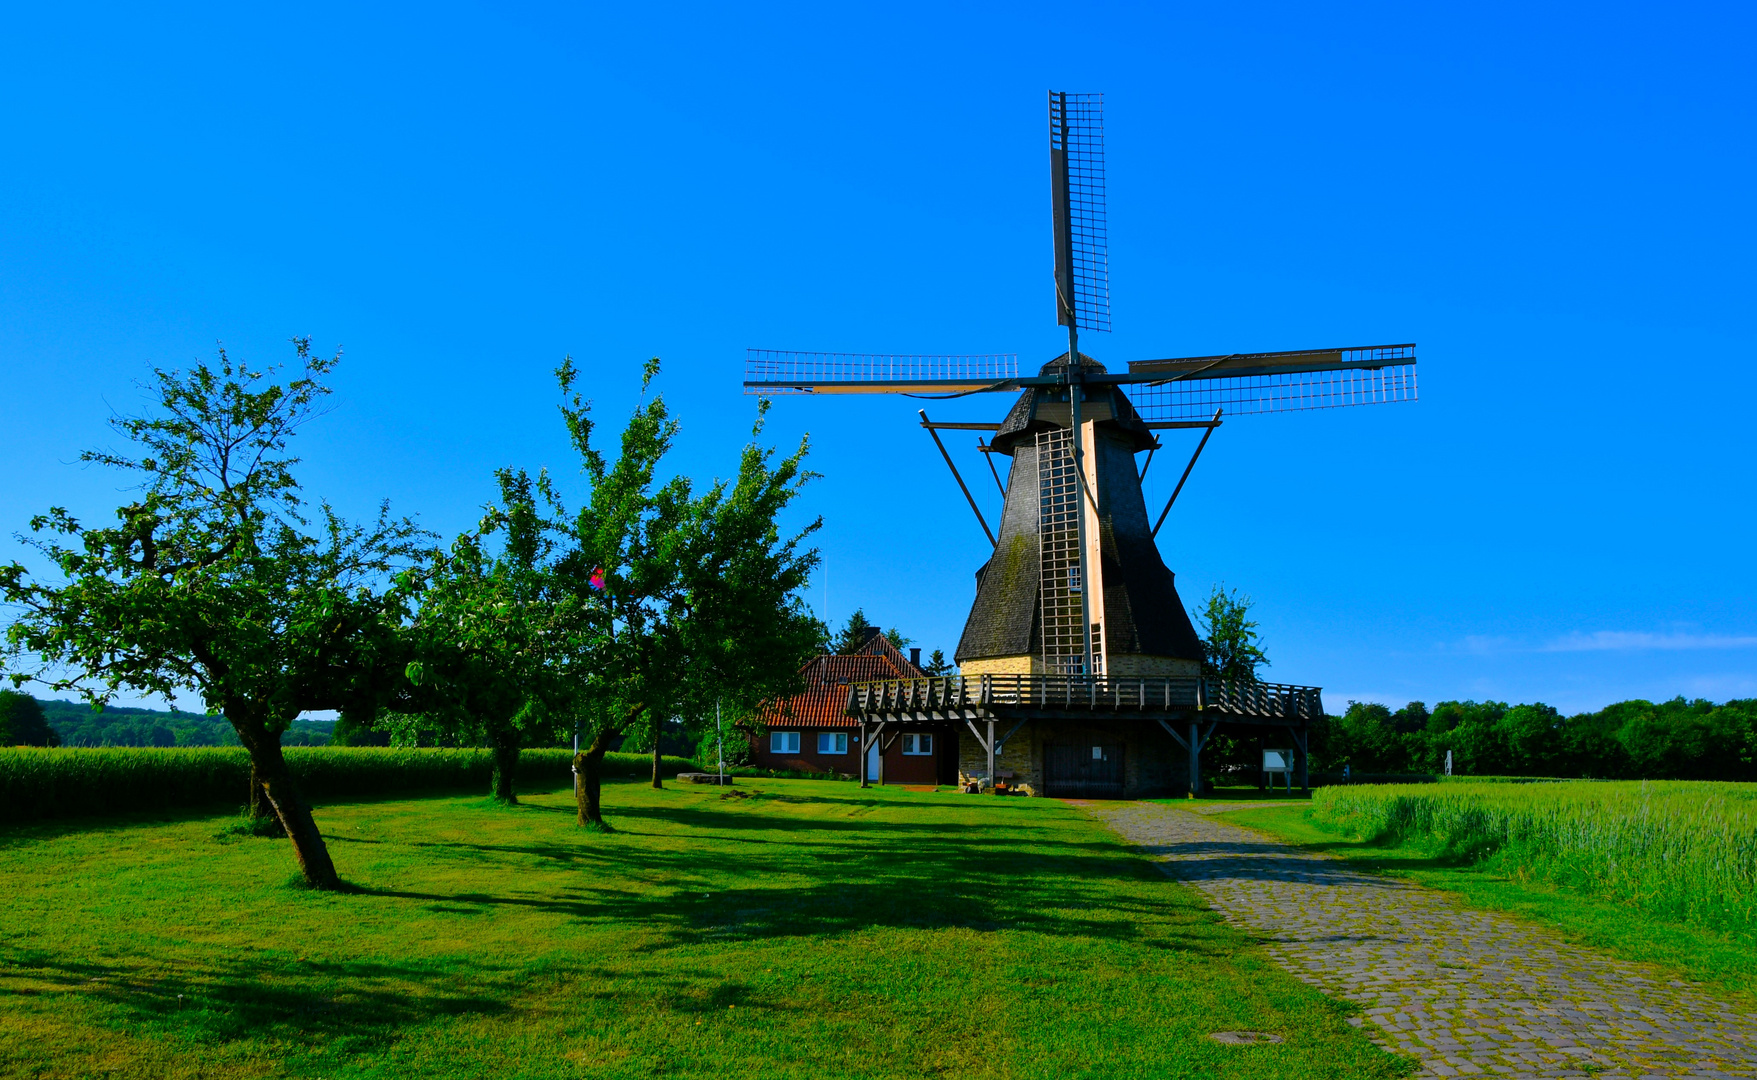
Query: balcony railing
[[1083, 693]]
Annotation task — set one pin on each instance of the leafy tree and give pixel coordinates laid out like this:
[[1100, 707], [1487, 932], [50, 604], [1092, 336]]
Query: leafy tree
[[854, 635], [1477, 741], [489, 643], [1366, 738], [1535, 740], [22, 722], [1230, 648], [215, 582], [351, 730], [1411, 719], [682, 600]]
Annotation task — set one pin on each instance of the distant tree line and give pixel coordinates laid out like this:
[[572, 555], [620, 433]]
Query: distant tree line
[[1634, 740], [28, 721]]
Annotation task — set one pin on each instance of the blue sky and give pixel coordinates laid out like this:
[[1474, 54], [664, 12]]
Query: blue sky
[[1554, 201]]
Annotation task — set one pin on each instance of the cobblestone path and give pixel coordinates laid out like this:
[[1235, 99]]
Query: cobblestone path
[[1466, 992]]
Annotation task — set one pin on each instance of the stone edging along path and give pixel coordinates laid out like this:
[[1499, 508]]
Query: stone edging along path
[[1465, 992]]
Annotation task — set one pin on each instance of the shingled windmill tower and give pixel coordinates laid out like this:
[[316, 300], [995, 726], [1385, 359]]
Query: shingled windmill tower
[[1076, 588], [1076, 584]]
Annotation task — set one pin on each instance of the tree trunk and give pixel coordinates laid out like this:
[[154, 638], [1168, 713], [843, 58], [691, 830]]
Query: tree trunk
[[259, 807], [587, 793], [658, 753], [506, 764], [269, 770]]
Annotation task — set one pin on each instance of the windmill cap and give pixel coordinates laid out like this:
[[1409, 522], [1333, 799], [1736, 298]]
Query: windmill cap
[[1110, 407], [1086, 364]]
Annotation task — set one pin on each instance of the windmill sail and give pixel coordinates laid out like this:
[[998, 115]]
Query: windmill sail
[[1082, 244], [774, 371], [1191, 388], [1171, 391]]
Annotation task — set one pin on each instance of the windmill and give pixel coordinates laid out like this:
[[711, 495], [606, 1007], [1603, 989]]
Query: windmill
[[1076, 585]]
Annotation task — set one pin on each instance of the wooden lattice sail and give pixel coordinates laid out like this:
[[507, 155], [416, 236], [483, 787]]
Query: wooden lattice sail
[[1076, 585]]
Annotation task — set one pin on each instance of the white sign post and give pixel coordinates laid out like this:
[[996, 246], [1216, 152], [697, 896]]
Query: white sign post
[[1279, 761]]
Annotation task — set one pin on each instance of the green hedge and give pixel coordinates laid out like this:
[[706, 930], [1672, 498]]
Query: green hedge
[[39, 783]]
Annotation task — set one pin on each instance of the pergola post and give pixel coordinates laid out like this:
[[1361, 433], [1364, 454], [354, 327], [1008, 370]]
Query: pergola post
[[1300, 738], [863, 754], [991, 784], [1262, 749], [1195, 761]]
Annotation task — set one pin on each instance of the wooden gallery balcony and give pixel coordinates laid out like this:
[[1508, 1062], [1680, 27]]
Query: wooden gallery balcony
[[1188, 709], [1080, 697]]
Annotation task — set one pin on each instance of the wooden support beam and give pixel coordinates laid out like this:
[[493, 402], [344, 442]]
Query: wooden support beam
[[1195, 745], [1184, 477], [971, 499], [1169, 730], [866, 744], [1002, 745], [988, 456], [991, 786]]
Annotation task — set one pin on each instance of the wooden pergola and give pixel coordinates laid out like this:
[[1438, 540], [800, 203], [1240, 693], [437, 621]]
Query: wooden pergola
[[1190, 710]]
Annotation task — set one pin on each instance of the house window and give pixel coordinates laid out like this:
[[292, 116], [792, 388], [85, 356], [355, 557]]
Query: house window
[[783, 742], [918, 745], [832, 742]]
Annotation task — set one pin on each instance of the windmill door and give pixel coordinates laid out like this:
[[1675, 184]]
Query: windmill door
[[1089, 769]]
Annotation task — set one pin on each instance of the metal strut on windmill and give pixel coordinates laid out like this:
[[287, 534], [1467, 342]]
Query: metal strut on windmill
[[1076, 616]]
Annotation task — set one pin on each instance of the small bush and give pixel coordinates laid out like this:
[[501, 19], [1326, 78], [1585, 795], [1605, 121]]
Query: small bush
[[68, 782]]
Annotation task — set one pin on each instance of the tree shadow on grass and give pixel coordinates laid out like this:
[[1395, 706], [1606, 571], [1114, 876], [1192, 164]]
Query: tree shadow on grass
[[742, 816], [846, 880], [717, 895], [357, 1005]]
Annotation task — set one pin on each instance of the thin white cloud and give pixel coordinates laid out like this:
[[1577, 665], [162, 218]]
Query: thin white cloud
[[1624, 641]]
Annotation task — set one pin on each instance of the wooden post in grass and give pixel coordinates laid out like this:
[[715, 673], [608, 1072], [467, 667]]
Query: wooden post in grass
[[1195, 748], [991, 783]]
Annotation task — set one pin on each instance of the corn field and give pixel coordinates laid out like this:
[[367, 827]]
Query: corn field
[[1684, 850]]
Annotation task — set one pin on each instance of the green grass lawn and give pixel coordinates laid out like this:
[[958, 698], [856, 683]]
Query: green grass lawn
[[1727, 962], [796, 929]]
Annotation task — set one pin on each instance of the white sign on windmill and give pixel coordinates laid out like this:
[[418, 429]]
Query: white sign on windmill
[[1278, 761]]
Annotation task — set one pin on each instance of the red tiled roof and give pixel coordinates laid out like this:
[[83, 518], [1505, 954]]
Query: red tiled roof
[[825, 698]]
